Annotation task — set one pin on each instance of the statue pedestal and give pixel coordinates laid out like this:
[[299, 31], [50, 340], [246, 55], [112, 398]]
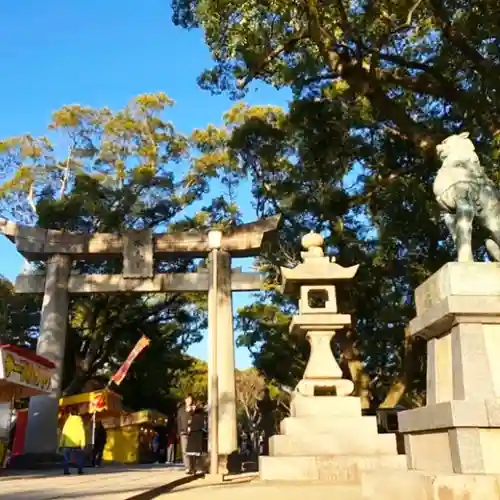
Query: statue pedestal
[[326, 437], [453, 441]]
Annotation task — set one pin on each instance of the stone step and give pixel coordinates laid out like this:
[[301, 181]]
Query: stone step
[[325, 406], [366, 426], [334, 443], [335, 469]]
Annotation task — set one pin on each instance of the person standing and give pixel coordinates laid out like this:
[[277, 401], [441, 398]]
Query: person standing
[[195, 439], [171, 441], [162, 452], [72, 441], [155, 447], [266, 424], [100, 438], [183, 417]]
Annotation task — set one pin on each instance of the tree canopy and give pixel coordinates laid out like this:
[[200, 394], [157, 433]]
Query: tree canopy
[[109, 171], [375, 86]]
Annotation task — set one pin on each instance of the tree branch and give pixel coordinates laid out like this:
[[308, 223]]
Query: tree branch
[[268, 58], [481, 65], [65, 178]]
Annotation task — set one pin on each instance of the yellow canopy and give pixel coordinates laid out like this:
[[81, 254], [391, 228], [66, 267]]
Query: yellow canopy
[[151, 417], [94, 402]]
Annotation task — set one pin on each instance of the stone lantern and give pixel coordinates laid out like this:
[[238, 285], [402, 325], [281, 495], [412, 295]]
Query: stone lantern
[[314, 280], [326, 438]]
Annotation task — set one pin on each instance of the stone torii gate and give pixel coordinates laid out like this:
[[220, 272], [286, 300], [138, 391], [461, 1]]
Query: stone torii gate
[[139, 249]]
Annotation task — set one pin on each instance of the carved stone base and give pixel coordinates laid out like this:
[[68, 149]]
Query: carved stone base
[[326, 438], [322, 371]]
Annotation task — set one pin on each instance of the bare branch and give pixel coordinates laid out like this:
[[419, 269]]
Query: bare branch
[[65, 178], [31, 197]]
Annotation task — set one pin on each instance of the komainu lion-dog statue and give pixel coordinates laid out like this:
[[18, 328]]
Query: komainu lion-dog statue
[[464, 192]]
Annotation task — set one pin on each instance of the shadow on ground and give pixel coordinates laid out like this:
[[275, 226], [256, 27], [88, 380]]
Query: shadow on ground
[[46, 495], [13, 475], [127, 493]]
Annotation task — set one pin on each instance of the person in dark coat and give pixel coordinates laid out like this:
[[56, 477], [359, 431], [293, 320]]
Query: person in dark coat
[[171, 440], [266, 407], [183, 416], [100, 438], [195, 439]]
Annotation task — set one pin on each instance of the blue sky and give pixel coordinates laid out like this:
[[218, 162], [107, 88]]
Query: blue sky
[[102, 54]]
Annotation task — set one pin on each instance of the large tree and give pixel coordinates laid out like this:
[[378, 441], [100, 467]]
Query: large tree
[[109, 171], [375, 85], [388, 56]]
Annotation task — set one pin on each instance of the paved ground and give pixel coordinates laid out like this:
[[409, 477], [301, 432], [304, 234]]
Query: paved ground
[[249, 487], [108, 483], [122, 483]]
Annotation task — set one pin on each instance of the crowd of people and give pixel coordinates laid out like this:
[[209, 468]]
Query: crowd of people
[[188, 429]]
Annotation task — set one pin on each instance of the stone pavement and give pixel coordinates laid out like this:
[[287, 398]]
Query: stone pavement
[[250, 487], [108, 483]]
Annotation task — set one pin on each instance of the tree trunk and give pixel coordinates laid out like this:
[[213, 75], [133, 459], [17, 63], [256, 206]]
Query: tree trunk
[[400, 385], [77, 383], [361, 382], [393, 397], [350, 357]]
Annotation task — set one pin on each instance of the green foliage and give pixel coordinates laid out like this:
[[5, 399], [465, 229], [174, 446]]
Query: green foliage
[[123, 170], [382, 59], [192, 379], [375, 85], [19, 316]]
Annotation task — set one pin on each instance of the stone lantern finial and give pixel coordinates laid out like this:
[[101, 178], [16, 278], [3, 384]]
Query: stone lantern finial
[[312, 243]]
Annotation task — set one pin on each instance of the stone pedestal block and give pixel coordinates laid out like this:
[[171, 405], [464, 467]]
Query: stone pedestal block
[[299, 426], [340, 469], [452, 443], [333, 443], [325, 406], [458, 312], [327, 439]]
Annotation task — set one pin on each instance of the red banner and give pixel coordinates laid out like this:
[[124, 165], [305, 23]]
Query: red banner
[[118, 377], [20, 433]]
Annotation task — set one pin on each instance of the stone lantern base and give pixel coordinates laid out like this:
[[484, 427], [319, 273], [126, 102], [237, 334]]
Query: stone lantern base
[[326, 437]]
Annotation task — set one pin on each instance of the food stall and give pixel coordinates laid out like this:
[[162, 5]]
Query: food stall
[[104, 402], [129, 436], [23, 374], [91, 406]]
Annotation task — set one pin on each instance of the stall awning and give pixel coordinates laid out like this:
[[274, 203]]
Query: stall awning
[[142, 417], [23, 373], [94, 402]]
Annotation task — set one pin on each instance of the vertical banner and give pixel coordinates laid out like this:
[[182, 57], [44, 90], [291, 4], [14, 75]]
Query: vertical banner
[[20, 433], [121, 373]]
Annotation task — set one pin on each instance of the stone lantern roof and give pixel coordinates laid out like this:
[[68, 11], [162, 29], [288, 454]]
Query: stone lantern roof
[[315, 268]]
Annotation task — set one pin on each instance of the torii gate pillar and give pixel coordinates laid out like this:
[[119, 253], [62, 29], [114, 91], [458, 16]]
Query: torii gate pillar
[[221, 331]]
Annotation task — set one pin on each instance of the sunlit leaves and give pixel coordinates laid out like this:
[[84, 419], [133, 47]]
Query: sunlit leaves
[[132, 150]]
